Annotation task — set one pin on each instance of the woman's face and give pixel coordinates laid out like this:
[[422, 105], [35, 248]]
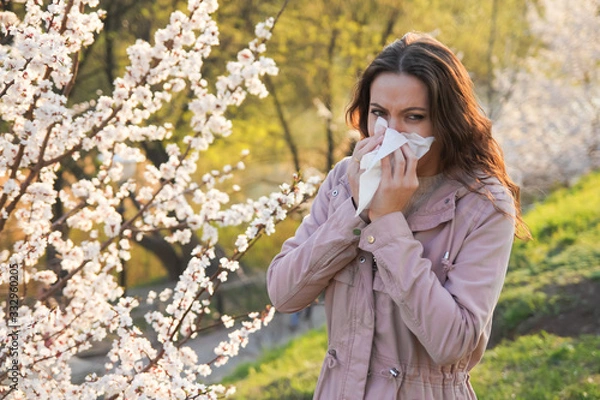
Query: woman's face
[[402, 100]]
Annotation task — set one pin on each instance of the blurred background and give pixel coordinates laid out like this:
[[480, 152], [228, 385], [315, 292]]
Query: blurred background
[[536, 69]]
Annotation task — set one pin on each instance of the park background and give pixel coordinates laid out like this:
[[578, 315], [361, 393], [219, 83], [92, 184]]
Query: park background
[[535, 66]]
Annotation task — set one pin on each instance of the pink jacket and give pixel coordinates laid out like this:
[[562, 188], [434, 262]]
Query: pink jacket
[[409, 302]]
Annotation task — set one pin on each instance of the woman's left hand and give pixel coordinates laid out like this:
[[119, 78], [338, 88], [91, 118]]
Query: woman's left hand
[[398, 183]]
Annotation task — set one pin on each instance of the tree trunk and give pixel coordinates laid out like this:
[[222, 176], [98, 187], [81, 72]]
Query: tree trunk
[[287, 134], [328, 99], [491, 92]]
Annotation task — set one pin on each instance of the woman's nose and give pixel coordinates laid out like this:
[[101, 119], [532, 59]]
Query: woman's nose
[[395, 125]]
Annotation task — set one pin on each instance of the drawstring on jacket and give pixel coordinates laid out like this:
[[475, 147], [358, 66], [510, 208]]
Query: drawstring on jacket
[[398, 378], [448, 266], [331, 358]]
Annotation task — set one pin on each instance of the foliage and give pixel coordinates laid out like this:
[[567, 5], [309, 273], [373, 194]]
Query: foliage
[[319, 47], [327, 43], [65, 188]]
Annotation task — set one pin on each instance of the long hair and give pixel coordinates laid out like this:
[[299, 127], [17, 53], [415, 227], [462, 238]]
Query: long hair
[[469, 153]]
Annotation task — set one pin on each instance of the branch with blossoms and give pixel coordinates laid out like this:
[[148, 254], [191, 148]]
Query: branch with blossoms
[[183, 317], [268, 212], [63, 310]]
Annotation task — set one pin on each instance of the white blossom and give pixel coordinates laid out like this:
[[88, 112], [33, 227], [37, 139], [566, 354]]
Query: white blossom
[[228, 322], [547, 121], [89, 242]]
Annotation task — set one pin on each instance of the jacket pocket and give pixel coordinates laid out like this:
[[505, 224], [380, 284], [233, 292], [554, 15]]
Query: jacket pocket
[[383, 302], [346, 275], [341, 298]]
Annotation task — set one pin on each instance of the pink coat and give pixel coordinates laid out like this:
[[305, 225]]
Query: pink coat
[[409, 302]]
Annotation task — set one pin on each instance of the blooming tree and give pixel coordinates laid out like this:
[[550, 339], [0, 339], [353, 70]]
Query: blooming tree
[[549, 124], [47, 318]]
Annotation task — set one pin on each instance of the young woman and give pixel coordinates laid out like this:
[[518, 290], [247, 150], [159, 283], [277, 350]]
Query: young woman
[[411, 283]]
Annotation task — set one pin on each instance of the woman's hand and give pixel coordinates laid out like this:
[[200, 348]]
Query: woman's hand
[[398, 183], [363, 147]]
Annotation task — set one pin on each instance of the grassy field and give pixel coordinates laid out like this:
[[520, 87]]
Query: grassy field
[[546, 338], [540, 366], [554, 279], [289, 372]]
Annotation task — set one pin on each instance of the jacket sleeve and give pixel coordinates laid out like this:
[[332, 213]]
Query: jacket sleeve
[[325, 242], [449, 320]]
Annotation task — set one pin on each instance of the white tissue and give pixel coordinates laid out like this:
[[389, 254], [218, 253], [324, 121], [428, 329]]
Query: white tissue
[[371, 162]]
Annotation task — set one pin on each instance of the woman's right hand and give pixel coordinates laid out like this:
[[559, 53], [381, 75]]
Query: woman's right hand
[[363, 147]]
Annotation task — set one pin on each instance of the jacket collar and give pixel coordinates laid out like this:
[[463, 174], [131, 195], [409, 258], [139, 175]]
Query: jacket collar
[[440, 207]]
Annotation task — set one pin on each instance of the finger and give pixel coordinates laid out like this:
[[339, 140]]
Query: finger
[[399, 163], [387, 170], [359, 151], [367, 145], [411, 160]]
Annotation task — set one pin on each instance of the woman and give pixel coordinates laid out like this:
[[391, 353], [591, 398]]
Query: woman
[[410, 283]]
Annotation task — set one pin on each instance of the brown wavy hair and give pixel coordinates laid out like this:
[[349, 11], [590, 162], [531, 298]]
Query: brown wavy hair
[[469, 153]]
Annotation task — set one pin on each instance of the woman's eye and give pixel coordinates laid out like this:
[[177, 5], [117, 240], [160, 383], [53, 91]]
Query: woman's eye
[[416, 117], [377, 113]]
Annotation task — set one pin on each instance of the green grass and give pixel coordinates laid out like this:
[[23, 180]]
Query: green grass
[[289, 372], [565, 228], [540, 367], [533, 367], [543, 280], [564, 251]]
